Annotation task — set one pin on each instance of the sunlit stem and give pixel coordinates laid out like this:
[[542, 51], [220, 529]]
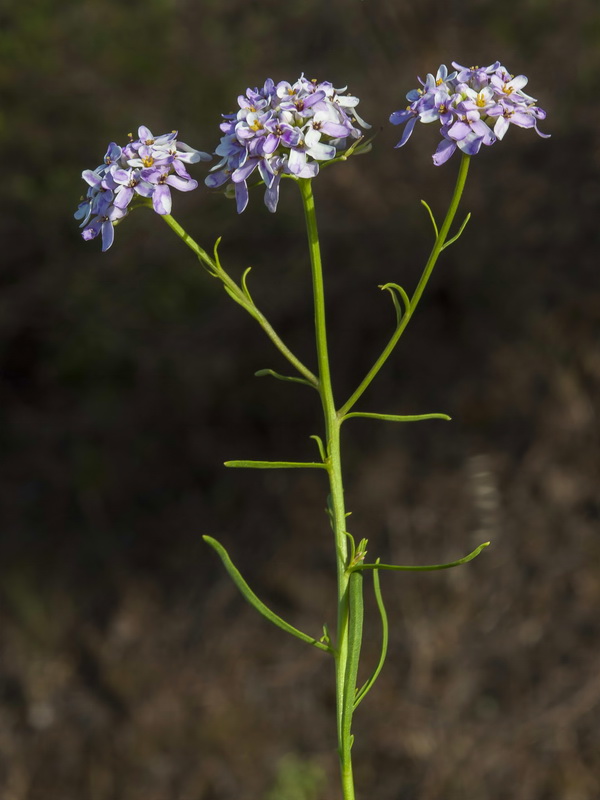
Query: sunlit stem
[[334, 468], [414, 301]]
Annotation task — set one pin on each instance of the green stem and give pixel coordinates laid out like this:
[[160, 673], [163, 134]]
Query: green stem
[[344, 642], [431, 262], [240, 297]]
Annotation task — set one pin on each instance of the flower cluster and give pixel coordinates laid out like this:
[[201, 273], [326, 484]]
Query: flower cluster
[[283, 129], [148, 166], [474, 106]]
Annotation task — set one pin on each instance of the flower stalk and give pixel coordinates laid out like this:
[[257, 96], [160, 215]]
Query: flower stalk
[[404, 319]]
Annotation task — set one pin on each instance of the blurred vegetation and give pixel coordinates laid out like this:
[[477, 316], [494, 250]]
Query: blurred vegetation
[[129, 668]]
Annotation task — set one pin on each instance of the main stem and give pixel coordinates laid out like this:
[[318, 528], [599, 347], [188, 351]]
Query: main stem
[[336, 505]]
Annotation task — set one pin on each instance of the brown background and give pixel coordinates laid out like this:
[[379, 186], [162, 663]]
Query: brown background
[[129, 667]]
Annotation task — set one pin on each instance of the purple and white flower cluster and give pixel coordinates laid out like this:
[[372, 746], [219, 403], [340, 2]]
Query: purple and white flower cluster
[[474, 106], [149, 166], [283, 129]]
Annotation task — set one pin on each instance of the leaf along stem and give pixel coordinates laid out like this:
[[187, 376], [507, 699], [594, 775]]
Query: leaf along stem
[[275, 464], [254, 601], [396, 417], [362, 693], [427, 567]]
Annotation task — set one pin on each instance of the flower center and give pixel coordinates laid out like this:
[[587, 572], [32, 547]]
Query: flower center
[[480, 101], [147, 161]]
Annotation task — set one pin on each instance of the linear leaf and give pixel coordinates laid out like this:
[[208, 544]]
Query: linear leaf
[[355, 629], [393, 289], [460, 230], [254, 601], [320, 445], [429, 567], [432, 218], [245, 284], [275, 464], [396, 417], [261, 373], [384, 639]]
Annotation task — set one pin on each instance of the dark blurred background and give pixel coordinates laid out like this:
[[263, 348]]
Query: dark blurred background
[[130, 669]]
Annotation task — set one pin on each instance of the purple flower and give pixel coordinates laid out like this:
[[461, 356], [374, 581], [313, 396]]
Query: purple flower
[[161, 179], [147, 167], [475, 106], [283, 129], [128, 182], [103, 224]]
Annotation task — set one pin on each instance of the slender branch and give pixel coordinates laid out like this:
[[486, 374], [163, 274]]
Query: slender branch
[[241, 296], [431, 262]]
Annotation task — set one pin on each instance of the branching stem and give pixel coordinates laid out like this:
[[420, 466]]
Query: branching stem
[[241, 297]]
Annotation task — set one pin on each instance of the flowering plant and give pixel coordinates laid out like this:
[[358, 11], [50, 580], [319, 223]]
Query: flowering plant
[[285, 130]]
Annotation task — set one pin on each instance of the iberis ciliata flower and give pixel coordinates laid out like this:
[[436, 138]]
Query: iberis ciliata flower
[[149, 166], [474, 106], [283, 129]]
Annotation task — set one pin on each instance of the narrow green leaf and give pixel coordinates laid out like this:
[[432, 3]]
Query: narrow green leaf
[[216, 254], [239, 298], [275, 464], [245, 284], [329, 511], [396, 417], [355, 628], [384, 639], [249, 595], [432, 218], [394, 288], [358, 148], [429, 567], [460, 230], [352, 546], [261, 373], [320, 445]]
